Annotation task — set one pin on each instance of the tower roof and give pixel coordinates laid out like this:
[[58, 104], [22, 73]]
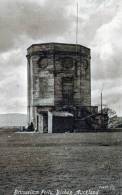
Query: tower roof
[[57, 47]]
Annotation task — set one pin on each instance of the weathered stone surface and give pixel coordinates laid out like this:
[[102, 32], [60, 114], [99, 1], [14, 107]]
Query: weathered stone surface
[[58, 75]]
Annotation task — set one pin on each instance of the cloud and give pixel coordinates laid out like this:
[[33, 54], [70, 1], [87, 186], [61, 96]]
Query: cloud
[[112, 92], [13, 91], [21, 24], [107, 46], [31, 19], [107, 59]]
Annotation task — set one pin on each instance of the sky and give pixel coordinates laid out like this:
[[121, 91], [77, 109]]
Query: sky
[[23, 23]]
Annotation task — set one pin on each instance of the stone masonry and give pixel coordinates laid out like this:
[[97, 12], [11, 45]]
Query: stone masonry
[[59, 85]]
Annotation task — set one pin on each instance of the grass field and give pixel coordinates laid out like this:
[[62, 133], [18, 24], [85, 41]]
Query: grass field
[[61, 161]]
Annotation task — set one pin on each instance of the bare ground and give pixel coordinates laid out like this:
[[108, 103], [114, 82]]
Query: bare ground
[[78, 161]]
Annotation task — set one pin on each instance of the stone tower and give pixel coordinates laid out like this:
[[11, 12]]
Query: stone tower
[[59, 84]]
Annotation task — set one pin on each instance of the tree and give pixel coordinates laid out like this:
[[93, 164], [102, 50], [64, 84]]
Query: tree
[[112, 117]]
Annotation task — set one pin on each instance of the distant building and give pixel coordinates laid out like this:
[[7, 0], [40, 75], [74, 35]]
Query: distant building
[[11, 120], [59, 87]]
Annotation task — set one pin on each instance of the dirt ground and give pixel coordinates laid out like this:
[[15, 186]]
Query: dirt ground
[[88, 162]]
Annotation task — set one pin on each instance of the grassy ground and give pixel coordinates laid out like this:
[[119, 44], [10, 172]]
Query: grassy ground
[[61, 161]]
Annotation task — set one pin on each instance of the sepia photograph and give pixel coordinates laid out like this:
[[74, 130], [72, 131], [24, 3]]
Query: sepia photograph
[[61, 97]]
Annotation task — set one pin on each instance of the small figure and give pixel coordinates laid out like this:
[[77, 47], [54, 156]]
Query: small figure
[[31, 127]]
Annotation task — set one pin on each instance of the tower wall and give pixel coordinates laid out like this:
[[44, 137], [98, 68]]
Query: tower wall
[[58, 76], [75, 66]]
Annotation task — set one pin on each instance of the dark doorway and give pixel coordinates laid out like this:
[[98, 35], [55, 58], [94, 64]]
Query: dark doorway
[[45, 122]]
